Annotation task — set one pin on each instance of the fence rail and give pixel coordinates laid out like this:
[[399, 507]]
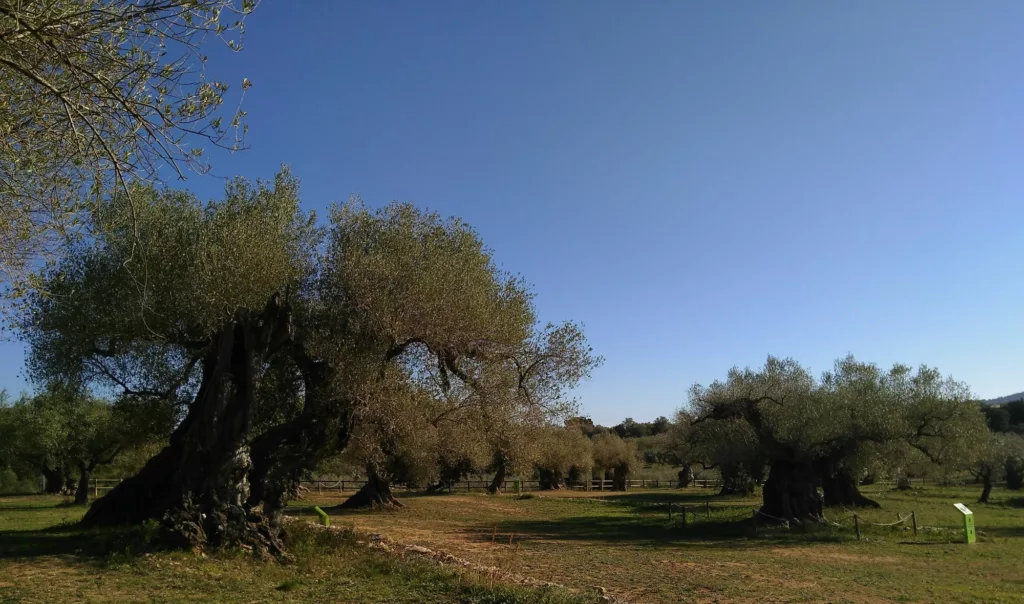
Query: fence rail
[[102, 485]]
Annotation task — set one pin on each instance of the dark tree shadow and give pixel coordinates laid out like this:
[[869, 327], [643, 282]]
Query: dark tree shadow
[[1015, 502], [94, 544], [649, 531], [1003, 531]]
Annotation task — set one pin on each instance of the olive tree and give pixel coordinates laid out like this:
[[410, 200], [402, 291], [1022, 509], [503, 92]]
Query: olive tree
[[98, 94], [279, 339], [63, 433], [616, 455], [485, 412], [197, 326], [819, 433], [996, 456], [559, 453]]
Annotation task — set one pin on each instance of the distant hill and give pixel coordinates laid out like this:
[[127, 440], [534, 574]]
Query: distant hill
[[1005, 399]]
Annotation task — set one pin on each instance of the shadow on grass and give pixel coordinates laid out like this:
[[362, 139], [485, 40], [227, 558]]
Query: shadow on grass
[[649, 531], [687, 498], [69, 540], [1004, 531], [1015, 502]]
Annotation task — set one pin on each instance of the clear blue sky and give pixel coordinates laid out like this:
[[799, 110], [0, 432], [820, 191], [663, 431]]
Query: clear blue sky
[[701, 184]]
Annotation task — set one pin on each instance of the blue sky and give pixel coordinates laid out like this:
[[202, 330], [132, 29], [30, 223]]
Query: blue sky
[[701, 184]]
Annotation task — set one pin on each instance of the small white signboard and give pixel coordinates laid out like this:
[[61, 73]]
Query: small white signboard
[[963, 508]]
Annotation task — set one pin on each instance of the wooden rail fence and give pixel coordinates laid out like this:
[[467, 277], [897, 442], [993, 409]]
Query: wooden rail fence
[[102, 485]]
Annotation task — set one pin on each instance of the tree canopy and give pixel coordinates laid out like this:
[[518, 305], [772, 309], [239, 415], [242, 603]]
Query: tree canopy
[[280, 341], [99, 94], [825, 432]]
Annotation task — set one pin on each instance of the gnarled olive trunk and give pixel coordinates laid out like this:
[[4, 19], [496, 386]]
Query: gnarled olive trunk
[[986, 488], [791, 493], [375, 493], [285, 453], [619, 476], [549, 480], [839, 488], [685, 476], [736, 481], [499, 479], [198, 485], [54, 478], [1014, 474], [82, 492]]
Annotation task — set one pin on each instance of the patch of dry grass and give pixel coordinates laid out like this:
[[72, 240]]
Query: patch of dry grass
[[626, 544]]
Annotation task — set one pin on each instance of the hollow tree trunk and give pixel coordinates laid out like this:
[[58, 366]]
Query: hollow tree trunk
[[840, 489], [70, 482], [1014, 474], [375, 493], [54, 480], [790, 493], [499, 479], [619, 476], [548, 480], [284, 453], [685, 476], [986, 489], [198, 485], [82, 492], [735, 481]]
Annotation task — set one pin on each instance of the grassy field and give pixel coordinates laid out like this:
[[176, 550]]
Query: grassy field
[[44, 559], [621, 544]]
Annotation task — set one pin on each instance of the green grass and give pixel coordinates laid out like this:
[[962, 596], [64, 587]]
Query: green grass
[[623, 543], [626, 544], [43, 558]]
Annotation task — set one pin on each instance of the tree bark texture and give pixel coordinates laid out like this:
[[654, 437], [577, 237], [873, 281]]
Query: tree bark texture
[[986, 488], [499, 479], [791, 494], [375, 493], [198, 486], [82, 492], [840, 489], [685, 476]]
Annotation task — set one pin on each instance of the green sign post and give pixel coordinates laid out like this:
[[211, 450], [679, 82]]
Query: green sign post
[[969, 536], [324, 518]]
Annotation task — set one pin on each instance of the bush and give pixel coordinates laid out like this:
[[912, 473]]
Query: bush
[[11, 482]]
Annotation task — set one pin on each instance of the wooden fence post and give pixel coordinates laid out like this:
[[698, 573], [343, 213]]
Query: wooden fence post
[[913, 517], [707, 507], [856, 525]]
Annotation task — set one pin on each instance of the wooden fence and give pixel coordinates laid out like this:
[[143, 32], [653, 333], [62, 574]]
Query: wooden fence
[[102, 485]]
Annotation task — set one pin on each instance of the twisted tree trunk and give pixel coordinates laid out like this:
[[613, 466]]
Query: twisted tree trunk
[[685, 476], [375, 493], [548, 480], [619, 476], [499, 479], [986, 489], [54, 479], [286, 452], [791, 494], [82, 492], [198, 485], [840, 489]]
